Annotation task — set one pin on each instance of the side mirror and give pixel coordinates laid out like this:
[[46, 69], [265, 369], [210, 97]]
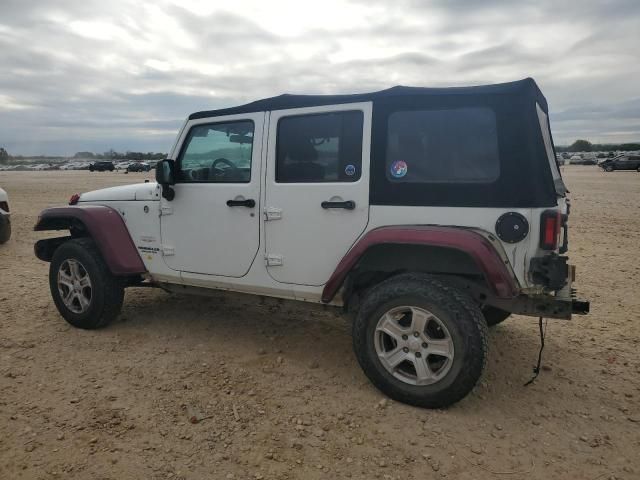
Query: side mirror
[[165, 172], [165, 176]]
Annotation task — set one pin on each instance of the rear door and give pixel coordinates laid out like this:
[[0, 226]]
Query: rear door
[[212, 226], [317, 189]]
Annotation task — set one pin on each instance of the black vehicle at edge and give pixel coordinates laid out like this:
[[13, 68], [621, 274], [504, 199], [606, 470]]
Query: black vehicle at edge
[[621, 162]]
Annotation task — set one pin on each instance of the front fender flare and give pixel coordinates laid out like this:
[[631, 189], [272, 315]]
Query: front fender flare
[[105, 226], [500, 279]]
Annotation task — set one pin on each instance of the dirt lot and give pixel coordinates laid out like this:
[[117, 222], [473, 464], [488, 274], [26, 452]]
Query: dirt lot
[[276, 391]]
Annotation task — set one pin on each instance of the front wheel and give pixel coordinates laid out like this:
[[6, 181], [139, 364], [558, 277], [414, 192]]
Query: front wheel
[[85, 292], [608, 168], [420, 341]]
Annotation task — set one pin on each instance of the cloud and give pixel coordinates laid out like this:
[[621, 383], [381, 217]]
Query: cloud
[[93, 75]]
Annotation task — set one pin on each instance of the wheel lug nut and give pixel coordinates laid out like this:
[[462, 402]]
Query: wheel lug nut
[[418, 354], [405, 350], [416, 334], [424, 345], [404, 337]]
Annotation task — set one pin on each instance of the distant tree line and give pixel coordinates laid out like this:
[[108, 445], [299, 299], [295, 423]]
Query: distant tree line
[[5, 158], [587, 146], [113, 155]]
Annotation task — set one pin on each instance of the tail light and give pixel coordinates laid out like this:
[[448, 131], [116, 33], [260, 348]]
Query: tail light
[[74, 199], [550, 227], [4, 206]]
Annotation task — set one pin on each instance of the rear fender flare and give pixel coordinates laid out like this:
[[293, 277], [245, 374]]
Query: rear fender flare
[[103, 224], [499, 277]]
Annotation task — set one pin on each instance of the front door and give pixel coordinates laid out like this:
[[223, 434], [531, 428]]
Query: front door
[[317, 189], [212, 226]]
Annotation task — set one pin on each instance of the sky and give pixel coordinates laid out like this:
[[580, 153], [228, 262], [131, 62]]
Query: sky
[[92, 75]]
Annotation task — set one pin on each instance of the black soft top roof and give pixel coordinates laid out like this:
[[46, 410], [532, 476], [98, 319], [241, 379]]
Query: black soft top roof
[[521, 88]]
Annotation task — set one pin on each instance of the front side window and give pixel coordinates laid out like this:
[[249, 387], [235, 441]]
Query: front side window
[[315, 148], [217, 153], [442, 146]]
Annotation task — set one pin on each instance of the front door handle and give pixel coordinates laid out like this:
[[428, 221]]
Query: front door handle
[[347, 205], [250, 203]]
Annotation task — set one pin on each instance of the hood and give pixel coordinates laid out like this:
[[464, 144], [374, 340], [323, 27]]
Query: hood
[[139, 191]]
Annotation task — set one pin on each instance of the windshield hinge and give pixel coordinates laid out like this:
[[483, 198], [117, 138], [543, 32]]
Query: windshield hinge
[[166, 210]]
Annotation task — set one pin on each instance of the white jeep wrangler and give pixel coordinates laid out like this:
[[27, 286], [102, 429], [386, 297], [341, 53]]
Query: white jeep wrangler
[[427, 213]]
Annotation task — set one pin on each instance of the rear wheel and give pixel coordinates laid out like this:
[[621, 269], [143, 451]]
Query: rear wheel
[[420, 341], [494, 315], [85, 292]]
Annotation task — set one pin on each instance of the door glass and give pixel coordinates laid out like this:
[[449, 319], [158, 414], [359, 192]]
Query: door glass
[[316, 148], [217, 153]]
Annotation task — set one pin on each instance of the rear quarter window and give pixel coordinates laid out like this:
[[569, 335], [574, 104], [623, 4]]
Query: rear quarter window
[[442, 146]]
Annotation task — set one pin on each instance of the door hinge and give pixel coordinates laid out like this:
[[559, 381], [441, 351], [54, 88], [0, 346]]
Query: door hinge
[[272, 213], [168, 251], [273, 260], [166, 210]]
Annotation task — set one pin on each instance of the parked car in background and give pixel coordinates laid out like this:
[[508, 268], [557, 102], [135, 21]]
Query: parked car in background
[[138, 167], [5, 217], [102, 166], [621, 162], [122, 165]]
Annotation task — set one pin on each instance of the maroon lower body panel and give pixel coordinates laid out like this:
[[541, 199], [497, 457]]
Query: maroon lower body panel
[[499, 278], [106, 227]]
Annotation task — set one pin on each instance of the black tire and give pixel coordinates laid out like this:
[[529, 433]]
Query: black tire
[[494, 315], [91, 169], [459, 314], [5, 230], [107, 291], [608, 168]]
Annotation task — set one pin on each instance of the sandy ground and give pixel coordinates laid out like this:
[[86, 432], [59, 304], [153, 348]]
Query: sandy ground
[[276, 391]]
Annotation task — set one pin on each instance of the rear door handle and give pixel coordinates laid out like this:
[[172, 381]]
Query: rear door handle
[[250, 203], [347, 205]]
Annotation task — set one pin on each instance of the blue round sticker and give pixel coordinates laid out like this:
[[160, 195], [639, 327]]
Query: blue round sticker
[[350, 170], [398, 169]]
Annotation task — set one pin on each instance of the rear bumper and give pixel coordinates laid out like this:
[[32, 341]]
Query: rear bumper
[[562, 303]]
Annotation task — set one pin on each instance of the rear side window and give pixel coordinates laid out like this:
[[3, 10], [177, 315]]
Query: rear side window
[[325, 147], [548, 145], [442, 146]]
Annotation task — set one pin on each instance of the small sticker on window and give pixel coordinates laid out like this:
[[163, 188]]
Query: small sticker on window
[[398, 169], [350, 170]]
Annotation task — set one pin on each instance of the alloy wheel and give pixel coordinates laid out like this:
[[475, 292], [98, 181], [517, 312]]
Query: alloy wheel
[[74, 286], [414, 345]]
